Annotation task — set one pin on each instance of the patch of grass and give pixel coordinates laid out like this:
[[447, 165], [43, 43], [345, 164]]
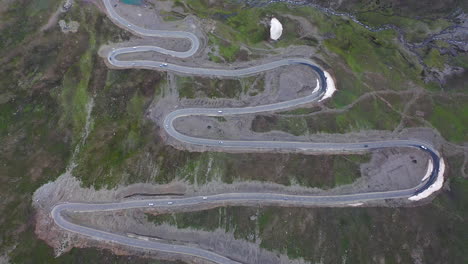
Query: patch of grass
[[36, 146], [371, 113], [185, 86], [214, 58], [434, 59], [346, 169], [253, 85], [450, 119], [74, 95], [196, 87], [171, 16], [318, 234], [461, 60], [229, 51], [246, 23], [230, 219], [17, 28], [366, 51], [220, 119], [119, 134], [294, 125]]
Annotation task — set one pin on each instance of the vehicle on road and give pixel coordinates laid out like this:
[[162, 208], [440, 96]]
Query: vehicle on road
[[151, 204], [296, 200]]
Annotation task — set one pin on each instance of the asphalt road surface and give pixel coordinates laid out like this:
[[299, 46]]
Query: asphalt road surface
[[230, 198]]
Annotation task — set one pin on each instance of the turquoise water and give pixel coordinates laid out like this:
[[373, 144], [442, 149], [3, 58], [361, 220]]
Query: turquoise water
[[132, 2]]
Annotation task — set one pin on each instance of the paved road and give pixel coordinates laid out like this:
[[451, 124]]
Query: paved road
[[230, 198]]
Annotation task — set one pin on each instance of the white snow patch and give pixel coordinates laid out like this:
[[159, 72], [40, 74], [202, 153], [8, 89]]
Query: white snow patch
[[430, 166], [317, 86], [330, 86], [439, 182], [355, 204], [276, 29]]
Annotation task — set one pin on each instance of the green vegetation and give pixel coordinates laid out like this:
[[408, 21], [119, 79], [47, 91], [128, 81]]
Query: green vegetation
[[245, 22], [47, 79], [461, 60], [74, 97], [415, 29], [195, 87], [16, 28], [295, 126], [229, 219], [450, 119], [346, 169], [370, 113], [446, 114], [328, 234], [253, 85], [46, 82], [227, 50], [434, 59], [365, 51], [171, 16], [120, 136]]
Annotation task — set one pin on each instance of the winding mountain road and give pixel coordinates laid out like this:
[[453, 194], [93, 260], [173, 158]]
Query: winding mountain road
[[231, 198]]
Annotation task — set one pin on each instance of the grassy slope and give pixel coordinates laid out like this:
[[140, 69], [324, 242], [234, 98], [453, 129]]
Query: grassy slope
[[316, 239], [360, 235], [43, 92], [41, 117]]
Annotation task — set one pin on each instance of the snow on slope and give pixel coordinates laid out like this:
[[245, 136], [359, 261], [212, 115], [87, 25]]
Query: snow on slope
[[439, 182], [276, 29]]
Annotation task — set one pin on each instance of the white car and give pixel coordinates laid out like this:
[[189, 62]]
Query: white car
[[134, 47], [220, 142], [423, 147], [204, 197], [151, 204], [163, 65], [219, 111], [169, 203]]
